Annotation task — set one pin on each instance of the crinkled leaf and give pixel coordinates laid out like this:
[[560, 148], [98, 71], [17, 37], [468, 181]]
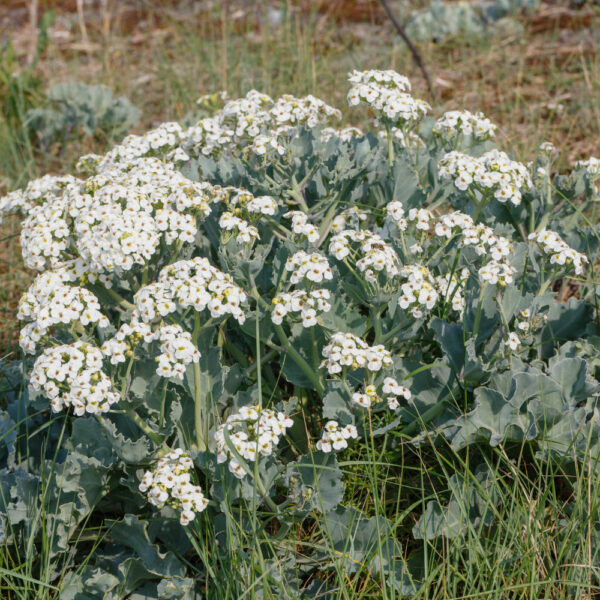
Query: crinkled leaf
[[315, 482]]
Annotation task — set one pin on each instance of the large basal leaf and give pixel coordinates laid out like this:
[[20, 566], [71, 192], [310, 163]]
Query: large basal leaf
[[143, 559], [356, 542], [315, 482], [567, 321], [106, 443], [471, 505], [522, 405]]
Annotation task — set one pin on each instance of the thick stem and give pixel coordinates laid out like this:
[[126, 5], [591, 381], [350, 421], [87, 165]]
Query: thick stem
[[376, 315], [479, 307], [480, 206], [199, 408], [291, 351], [199, 393], [299, 360], [155, 437], [545, 286], [119, 299]]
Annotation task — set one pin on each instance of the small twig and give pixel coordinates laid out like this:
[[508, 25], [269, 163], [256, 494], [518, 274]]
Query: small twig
[[415, 53], [82, 28], [33, 27]]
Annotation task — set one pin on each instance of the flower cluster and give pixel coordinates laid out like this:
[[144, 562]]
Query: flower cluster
[[351, 218], [591, 166], [71, 376], [450, 287], [389, 392], [419, 291], [492, 173], [123, 344], [170, 483], [497, 273], [421, 216], [478, 236], [253, 431], [455, 123], [45, 235], [387, 94], [177, 349], [313, 267], [395, 211], [335, 437], [263, 144], [255, 123], [559, 251], [308, 111], [348, 350], [194, 283], [40, 191], [264, 205], [374, 254], [110, 236], [309, 305], [301, 226], [158, 142], [244, 232], [49, 302], [115, 219], [344, 135], [526, 322]]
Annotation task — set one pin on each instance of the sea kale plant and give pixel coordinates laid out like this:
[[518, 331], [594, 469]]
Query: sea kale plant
[[232, 324]]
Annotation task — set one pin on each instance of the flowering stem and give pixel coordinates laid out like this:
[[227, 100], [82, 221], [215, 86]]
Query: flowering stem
[[426, 417], [479, 207], [328, 219], [545, 286], [390, 334], [198, 391], [253, 473], [442, 248], [376, 315], [296, 193], [293, 353], [390, 142], [299, 360], [155, 437], [119, 299], [479, 307], [258, 369]]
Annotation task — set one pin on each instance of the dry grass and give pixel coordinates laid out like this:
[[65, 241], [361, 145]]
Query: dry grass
[[537, 77]]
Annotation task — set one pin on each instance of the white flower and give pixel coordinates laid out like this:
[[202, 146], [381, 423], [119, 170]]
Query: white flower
[[348, 350], [335, 437], [419, 291], [191, 283], [71, 376], [313, 267], [373, 255], [492, 173], [497, 273], [513, 341], [455, 123], [253, 431], [387, 94], [559, 251], [170, 482]]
